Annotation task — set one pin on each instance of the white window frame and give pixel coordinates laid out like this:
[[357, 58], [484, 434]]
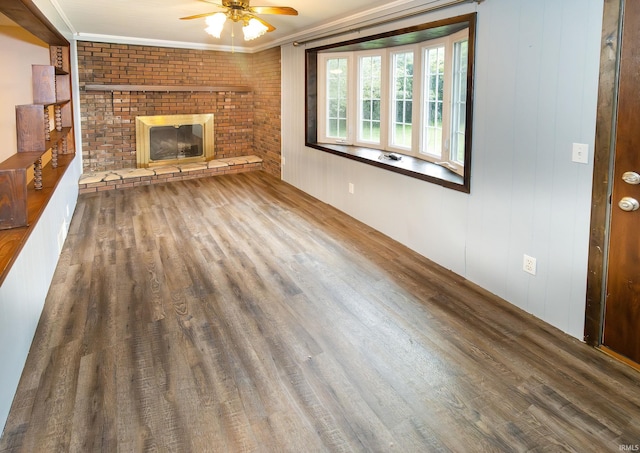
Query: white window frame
[[456, 38], [446, 105], [445, 158], [323, 135], [415, 95], [382, 53]]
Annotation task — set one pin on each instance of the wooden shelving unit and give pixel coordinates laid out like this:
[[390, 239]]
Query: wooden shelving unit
[[36, 136], [44, 132]]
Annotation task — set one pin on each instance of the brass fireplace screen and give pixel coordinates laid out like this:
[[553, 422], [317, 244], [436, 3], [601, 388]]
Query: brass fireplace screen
[[174, 139]]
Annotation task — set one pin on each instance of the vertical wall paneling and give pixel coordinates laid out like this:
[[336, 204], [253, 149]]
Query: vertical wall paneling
[[524, 143], [25, 288], [546, 131], [564, 209], [536, 93], [496, 74]]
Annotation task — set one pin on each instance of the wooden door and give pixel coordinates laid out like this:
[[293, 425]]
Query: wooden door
[[622, 305]]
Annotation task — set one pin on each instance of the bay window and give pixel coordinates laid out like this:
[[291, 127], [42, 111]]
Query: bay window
[[399, 100], [372, 102]]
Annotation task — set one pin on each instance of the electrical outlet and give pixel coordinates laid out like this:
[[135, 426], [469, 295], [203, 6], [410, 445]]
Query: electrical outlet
[[351, 188], [529, 264]]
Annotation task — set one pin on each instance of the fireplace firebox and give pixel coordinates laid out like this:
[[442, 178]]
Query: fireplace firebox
[[174, 139]]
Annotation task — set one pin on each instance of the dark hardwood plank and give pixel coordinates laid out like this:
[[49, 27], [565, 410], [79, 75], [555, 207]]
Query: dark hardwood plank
[[237, 313], [26, 14]]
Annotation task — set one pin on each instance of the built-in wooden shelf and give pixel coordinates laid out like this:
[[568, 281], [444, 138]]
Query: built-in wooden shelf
[[35, 136], [56, 136], [12, 240], [21, 160], [165, 88]]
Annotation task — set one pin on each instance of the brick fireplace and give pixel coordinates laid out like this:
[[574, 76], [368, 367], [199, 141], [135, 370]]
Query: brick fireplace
[[247, 122]]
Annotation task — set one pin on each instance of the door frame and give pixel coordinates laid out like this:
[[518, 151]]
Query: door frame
[[604, 151]]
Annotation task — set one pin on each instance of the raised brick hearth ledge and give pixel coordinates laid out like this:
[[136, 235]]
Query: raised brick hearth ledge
[[134, 177]]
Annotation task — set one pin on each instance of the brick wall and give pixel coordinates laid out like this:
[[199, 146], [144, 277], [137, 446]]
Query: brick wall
[[266, 119], [108, 118]]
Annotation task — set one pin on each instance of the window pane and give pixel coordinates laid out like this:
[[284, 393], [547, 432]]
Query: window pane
[[337, 98], [408, 111], [375, 110], [434, 80], [333, 108], [342, 127], [333, 128], [402, 98], [459, 110], [400, 112], [366, 110], [370, 71], [431, 115]]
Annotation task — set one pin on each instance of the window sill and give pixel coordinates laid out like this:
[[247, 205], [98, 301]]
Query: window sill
[[408, 166]]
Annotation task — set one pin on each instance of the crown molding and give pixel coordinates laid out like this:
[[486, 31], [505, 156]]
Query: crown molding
[[156, 43]]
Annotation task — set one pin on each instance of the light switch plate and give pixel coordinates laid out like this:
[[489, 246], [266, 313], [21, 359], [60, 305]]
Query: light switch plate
[[580, 153]]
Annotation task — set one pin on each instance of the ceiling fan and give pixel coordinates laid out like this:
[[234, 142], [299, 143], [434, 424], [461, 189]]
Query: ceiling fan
[[241, 11]]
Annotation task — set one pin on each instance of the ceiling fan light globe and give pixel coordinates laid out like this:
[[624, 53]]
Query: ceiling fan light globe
[[215, 23], [253, 29]]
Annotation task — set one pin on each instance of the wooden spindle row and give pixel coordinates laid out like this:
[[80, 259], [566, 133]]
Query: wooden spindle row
[[61, 146], [58, 57], [58, 117], [47, 133], [37, 174]]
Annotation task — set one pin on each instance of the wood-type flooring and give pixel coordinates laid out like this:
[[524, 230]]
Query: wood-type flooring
[[237, 314]]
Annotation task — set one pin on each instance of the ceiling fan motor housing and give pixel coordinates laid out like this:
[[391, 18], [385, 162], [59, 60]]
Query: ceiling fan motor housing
[[236, 4]]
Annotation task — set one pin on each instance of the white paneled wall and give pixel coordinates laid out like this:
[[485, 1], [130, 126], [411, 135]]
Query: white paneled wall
[[25, 288], [535, 94]]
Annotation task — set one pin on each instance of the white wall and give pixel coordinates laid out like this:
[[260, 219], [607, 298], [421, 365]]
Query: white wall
[[535, 94]]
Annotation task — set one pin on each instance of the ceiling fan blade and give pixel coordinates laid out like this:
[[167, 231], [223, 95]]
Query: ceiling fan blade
[[263, 22], [212, 3], [197, 16], [286, 10]]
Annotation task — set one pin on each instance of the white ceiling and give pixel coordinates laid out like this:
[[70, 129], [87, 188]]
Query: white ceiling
[[157, 22]]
